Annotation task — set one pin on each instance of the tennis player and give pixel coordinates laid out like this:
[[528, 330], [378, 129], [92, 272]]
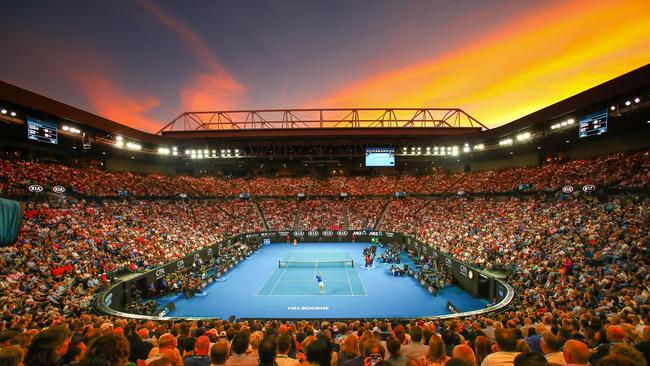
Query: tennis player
[[319, 279]]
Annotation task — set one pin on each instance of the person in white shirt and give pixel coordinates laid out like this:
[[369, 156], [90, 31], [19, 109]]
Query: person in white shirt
[[551, 345], [415, 348], [506, 349]]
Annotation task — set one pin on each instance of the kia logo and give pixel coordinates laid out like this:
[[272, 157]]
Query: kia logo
[[183, 195], [313, 233], [589, 188], [298, 233], [328, 233], [567, 189], [58, 189], [35, 188], [342, 233]]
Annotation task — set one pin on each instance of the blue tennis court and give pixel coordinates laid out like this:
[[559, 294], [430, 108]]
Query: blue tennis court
[[297, 276], [259, 287]]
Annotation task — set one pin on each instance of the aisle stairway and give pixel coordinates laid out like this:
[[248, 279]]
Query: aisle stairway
[[381, 214], [260, 215]]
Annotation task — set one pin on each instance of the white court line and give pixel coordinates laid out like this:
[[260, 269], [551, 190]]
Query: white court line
[[347, 274], [349, 283], [276, 283], [360, 280]]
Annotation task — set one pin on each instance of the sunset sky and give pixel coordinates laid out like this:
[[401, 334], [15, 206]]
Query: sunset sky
[[141, 63]]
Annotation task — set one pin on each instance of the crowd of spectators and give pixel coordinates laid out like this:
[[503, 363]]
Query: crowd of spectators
[[624, 170], [579, 264], [363, 213], [507, 339], [279, 214], [65, 252], [321, 214]]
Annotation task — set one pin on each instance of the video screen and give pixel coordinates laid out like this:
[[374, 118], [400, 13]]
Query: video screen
[[593, 124], [380, 157], [42, 131]]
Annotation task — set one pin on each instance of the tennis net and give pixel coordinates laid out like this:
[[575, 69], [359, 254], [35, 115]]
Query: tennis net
[[341, 263]]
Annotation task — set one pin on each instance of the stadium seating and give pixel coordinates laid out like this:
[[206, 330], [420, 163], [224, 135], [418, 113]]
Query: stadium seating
[[579, 263]]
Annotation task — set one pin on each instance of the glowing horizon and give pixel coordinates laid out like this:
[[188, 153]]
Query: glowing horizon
[[497, 61]]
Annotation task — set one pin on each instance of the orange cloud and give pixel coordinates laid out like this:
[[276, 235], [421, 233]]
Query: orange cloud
[[530, 62], [212, 89], [116, 103]]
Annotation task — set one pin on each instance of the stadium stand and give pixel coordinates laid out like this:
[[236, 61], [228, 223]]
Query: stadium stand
[[579, 264]]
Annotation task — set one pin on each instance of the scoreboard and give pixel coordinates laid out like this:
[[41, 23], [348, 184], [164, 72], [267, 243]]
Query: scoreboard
[[593, 124], [42, 131], [377, 156]]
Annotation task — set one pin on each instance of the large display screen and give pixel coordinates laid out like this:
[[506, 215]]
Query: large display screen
[[593, 124], [380, 156], [42, 131]]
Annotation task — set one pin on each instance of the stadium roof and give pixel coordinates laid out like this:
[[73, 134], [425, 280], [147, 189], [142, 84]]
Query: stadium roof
[[34, 103]]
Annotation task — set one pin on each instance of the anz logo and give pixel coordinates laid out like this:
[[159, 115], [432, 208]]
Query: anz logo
[[180, 264], [448, 261], [160, 272]]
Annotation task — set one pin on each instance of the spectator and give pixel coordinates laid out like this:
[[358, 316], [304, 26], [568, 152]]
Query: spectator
[[576, 353], [201, 353], [76, 348], [268, 351], [141, 347], [482, 348], [506, 346], [615, 335], [219, 353], [396, 358], [166, 349], [319, 353], [415, 348], [238, 349], [464, 352], [436, 354], [107, 349], [11, 356], [551, 345], [530, 359], [625, 350], [48, 347], [284, 347]]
